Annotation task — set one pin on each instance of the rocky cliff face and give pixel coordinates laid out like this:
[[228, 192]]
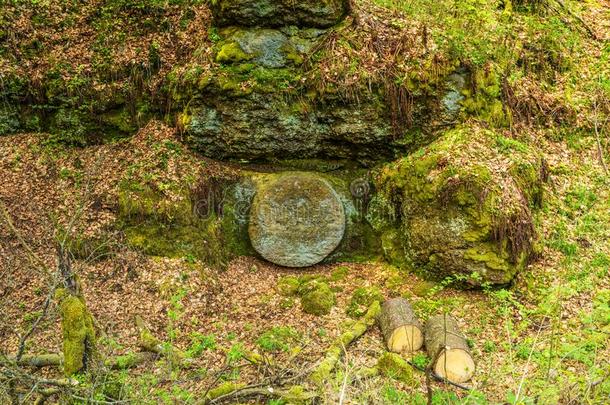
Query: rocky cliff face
[[278, 83], [314, 13], [258, 103]]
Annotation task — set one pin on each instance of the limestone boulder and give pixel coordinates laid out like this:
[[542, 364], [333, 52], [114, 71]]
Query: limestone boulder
[[461, 207]]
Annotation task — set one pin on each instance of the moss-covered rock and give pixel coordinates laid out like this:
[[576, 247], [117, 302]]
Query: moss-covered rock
[[393, 366], [77, 329], [461, 207], [361, 299], [318, 298], [262, 102], [190, 214], [313, 13], [268, 48], [264, 125]]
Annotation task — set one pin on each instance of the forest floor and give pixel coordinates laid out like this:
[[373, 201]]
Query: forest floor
[[544, 338]]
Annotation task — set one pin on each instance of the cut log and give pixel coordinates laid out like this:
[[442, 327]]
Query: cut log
[[401, 329], [41, 360], [447, 347]]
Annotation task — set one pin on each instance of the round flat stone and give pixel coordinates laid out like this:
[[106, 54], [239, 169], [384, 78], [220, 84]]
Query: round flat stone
[[296, 220]]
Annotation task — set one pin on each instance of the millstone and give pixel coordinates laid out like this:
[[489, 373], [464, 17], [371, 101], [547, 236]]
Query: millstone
[[296, 220]]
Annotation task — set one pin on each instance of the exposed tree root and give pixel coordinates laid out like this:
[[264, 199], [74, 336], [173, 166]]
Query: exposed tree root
[[151, 343], [321, 373], [333, 355]]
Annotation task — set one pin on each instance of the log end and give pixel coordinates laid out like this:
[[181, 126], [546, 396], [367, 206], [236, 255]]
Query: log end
[[456, 365], [407, 338]]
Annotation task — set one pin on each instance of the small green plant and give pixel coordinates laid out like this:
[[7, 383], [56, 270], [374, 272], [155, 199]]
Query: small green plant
[[392, 395], [421, 360], [361, 299], [340, 273], [489, 346], [175, 312], [200, 343], [235, 353]]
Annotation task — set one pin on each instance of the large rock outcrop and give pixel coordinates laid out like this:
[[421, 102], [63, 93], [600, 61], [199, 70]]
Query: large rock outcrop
[[461, 207], [311, 13], [261, 100]]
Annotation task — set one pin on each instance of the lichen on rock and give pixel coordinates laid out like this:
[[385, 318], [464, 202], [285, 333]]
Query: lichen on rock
[[269, 48], [462, 207]]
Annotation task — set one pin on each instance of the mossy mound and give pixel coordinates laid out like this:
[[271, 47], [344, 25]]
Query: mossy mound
[[171, 205], [177, 229], [318, 298], [288, 286], [393, 366], [461, 207], [313, 13], [361, 299]]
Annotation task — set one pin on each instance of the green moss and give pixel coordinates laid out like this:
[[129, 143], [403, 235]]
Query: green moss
[[272, 80], [126, 361], [422, 288], [360, 243], [235, 231], [489, 257], [138, 201], [223, 389], [278, 338], [78, 332], [319, 299], [168, 224], [203, 240], [291, 53], [310, 282], [159, 239], [485, 102], [393, 366], [361, 299], [288, 285], [392, 243], [287, 302], [120, 119], [456, 206], [296, 394], [232, 52], [340, 273]]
